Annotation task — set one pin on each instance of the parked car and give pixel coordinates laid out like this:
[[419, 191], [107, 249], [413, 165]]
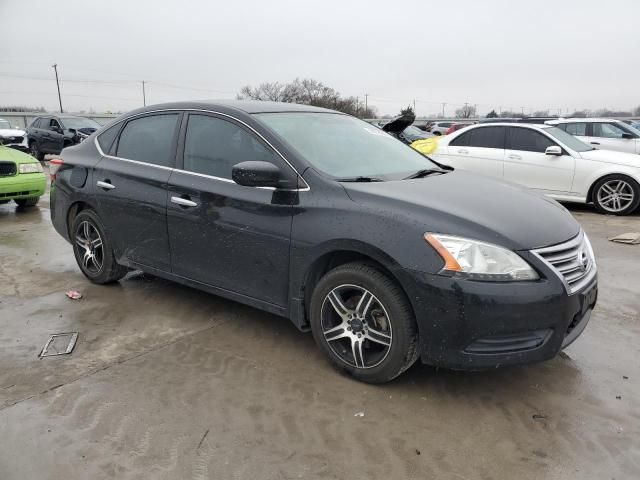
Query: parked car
[[51, 133], [402, 128], [548, 160], [314, 215], [602, 133], [21, 178], [12, 136], [440, 128], [457, 126]]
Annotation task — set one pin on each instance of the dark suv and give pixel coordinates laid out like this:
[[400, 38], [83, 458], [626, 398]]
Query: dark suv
[[307, 213], [52, 133]]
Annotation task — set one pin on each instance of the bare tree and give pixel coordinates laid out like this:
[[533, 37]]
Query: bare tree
[[467, 111], [308, 92]]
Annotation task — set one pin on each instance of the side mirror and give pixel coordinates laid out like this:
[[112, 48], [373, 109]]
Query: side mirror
[[256, 174], [627, 135], [553, 150]]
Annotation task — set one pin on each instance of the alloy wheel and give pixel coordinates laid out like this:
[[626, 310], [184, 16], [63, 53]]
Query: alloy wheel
[[615, 195], [90, 246], [356, 326]]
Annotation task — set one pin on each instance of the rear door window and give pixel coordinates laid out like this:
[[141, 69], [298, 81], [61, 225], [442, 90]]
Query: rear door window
[[529, 140], [149, 139], [461, 140], [106, 138], [213, 146], [579, 128], [487, 137]]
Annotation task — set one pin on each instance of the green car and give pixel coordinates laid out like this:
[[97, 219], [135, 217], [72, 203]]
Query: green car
[[21, 178]]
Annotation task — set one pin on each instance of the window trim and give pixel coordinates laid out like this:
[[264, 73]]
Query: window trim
[[183, 111]]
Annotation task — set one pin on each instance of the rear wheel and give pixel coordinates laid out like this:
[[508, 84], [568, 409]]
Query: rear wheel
[[616, 195], [363, 323], [93, 250], [35, 151], [27, 202]]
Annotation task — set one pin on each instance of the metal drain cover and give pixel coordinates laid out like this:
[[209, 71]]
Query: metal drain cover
[[59, 344]]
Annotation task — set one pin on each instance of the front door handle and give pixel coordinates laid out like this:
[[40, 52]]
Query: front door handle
[[514, 157], [462, 150], [107, 185], [595, 143], [183, 202]]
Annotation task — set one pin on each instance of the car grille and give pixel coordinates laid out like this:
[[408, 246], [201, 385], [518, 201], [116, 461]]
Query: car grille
[[573, 261], [7, 169]]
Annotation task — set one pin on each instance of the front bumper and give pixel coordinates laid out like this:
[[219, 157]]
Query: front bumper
[[23, 185], [470, 325]]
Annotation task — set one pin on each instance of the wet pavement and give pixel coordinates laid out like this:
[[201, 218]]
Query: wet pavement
[[167, 382]]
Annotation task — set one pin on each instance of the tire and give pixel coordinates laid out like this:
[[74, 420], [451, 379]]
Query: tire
[[387, 334], [93, 250], [616, 195], [35, 151], [27, 202], [436, 133]]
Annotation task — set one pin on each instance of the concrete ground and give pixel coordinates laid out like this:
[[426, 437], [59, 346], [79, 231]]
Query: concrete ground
[[167, 382]]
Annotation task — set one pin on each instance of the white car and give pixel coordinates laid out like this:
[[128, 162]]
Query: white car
[[12, 136], [602, 133], [548, 160], [440, 128]]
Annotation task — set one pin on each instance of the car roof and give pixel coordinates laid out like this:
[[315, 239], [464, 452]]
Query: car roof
[[585, 120], [246, 106]]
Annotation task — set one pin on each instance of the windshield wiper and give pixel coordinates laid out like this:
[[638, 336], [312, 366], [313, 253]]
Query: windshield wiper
[[360, 179], [425, 172]]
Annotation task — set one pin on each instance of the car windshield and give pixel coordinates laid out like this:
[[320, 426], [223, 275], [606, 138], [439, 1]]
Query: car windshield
[[4, 124], [569, 140], [77, 123], [345, 147]]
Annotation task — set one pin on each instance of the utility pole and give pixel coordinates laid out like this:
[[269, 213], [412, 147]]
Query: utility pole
[[55, 68], [414, 106], [144, 95], [522, 111], [443, 104], [366, 103]]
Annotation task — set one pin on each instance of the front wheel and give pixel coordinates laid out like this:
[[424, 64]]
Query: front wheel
[[616, 195], [93, 250], [35, 151], [363, 322], [27, 202]]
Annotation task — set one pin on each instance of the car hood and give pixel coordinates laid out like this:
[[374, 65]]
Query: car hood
[[472, 206], [11, 132], [610, 156], [14, 155]]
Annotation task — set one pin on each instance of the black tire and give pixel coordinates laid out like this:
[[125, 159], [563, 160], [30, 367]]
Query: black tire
[[102, 268], [388, 308], [436, 133], [605, 191], [27, 202], [35, 151]]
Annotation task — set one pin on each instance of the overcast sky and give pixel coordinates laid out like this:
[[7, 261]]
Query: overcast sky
[[536, 54]]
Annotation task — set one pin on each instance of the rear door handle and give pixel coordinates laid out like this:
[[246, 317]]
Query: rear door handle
[[183, 202], [514, 157], [595, 143], [462, 150], [107, 185]]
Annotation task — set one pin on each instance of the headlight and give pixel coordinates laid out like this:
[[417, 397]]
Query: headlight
[[30, 168], [479, 260]]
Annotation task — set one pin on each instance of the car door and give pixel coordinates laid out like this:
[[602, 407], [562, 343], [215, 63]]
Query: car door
[[479, 150], [55, 136], [613, 136], [40, 133], [223, 234], [130, 185], [527, 164]]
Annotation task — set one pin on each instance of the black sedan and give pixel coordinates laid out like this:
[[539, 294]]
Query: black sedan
[[49, 134], [385, 255]]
